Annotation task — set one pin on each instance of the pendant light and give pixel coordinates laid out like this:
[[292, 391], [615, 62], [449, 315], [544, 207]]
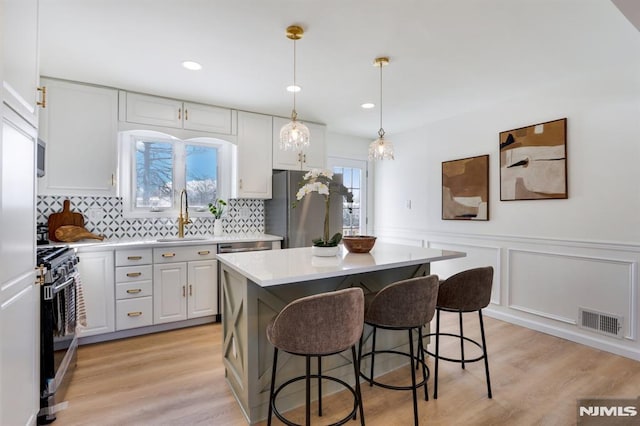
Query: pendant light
[[381, 149], [294, 135]]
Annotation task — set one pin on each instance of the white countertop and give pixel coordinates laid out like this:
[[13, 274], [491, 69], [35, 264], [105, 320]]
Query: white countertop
[[275, 267], [89, 244]]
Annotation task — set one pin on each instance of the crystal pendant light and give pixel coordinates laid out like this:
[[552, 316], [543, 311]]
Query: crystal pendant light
[[381, 149], [294, 135]]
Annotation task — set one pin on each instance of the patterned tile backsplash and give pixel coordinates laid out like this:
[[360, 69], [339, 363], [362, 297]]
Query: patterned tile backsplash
[[242, 216]]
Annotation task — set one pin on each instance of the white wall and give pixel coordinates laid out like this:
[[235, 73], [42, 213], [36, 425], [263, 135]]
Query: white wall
[[550, 256]]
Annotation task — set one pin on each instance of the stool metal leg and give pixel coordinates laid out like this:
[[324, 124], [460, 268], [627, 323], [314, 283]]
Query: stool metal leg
[[461, 340], [421, 358], [356, 370], [435, 379], [320, 386], [273, 384], [413, 379], [308, 391], [484, 351], [373, 354]]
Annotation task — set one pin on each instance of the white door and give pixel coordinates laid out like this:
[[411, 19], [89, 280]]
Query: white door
[[20, 57], [19, 297], [203, 288], [169, 292], [354, 176]]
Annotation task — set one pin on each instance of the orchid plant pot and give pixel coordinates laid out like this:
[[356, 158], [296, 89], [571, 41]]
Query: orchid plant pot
[[217, 227], [325, 251]]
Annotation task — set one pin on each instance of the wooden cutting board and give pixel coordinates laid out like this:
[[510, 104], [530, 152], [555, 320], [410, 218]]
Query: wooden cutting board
[[65, 217]]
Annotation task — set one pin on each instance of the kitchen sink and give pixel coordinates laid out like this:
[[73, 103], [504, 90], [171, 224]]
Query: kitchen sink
[[176, 239]]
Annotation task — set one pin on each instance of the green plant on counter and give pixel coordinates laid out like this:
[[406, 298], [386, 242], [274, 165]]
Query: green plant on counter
[[217, 207]]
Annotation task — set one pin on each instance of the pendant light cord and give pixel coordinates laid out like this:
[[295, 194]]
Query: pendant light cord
[[381, 131], [295, 87]]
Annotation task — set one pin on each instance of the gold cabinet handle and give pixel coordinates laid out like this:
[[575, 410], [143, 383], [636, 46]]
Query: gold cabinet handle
[[113, 179], [204, 252], [134, 314], [179, 113], [184, 291], [190, 290], [134, 291], [186, 114], [134, 274], [240, 183], [43, 101], [168, 254], [134, 257], [304, 158]]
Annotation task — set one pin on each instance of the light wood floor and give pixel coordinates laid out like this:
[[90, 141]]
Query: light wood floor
[[177, 378]]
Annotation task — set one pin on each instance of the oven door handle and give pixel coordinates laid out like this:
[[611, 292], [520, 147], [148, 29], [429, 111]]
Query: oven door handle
[[65, 284]]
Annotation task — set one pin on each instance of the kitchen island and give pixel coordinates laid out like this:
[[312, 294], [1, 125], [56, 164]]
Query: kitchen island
[[257, 285]]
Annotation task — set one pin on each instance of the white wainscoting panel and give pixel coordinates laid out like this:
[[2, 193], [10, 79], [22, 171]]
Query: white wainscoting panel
[[554, 285], [477, 256]]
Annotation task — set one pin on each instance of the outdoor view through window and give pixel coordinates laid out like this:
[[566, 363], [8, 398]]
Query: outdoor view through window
[[164, 168]]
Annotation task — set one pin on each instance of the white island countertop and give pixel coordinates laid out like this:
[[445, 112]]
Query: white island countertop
[[276, 267]]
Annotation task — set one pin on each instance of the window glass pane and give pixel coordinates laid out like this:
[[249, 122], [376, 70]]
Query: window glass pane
[[154, 174], [351, 212], [202, 174]]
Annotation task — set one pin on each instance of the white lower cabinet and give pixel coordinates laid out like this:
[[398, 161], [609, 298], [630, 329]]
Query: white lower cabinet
[[97, 274], [184, 286]]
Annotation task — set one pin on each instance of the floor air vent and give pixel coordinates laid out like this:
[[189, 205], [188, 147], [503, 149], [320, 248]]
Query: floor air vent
[[608, 324]]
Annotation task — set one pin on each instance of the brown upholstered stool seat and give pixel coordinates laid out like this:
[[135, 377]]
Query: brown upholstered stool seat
[[316, 326], [404, 305], [466, 291]]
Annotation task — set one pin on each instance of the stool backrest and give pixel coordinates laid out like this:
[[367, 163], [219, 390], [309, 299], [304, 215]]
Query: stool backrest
[[406, 303], [467, 291], [320, 324]]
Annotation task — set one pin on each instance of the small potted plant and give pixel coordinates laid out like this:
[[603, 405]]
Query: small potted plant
[[322, 182], [217, 208]]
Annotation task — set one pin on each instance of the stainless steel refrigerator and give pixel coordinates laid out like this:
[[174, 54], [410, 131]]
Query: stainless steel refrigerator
[[304, 223]]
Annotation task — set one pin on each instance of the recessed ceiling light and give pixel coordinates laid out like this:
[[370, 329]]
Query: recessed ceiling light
[[368, 105], [294, 88], [191, 65]]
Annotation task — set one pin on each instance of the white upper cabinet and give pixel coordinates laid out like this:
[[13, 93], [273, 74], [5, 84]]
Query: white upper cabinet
[[254, 155], [80, 128], [145, 109], [20, 57], [313, 157]]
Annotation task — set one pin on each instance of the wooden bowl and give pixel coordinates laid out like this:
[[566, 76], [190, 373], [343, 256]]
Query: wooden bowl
[[359, 243]]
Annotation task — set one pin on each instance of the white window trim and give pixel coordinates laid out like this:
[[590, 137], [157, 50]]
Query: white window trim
[[364, 194], [126, 143]]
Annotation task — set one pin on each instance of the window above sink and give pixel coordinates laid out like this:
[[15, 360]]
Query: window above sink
[[156, 166]]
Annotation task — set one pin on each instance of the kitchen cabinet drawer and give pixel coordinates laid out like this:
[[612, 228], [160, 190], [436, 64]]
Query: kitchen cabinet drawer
[[183, 254], [133, 257], [134, 273], [134, 289], [131, 313]]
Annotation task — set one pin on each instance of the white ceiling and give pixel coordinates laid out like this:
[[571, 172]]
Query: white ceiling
[[447, 56]]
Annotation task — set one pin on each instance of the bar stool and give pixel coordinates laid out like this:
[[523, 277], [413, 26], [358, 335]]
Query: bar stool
[[403, 305], [316, 326], [466, 291]]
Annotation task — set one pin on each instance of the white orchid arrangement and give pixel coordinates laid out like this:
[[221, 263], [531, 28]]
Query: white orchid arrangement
[[321, 181]]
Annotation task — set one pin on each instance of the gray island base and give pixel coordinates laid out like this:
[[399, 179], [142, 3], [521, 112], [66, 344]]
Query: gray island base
[[257, 285]]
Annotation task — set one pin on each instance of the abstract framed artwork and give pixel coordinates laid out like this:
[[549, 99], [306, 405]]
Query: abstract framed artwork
[[533, 162], [465, 189]]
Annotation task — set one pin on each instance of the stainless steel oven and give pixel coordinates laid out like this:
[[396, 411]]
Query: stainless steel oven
[[58, 318]]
